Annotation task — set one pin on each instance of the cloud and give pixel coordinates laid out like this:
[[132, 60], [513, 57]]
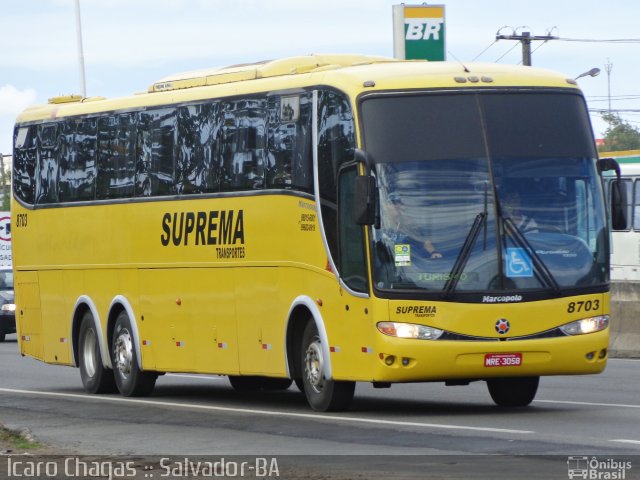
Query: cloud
[[13, 101]]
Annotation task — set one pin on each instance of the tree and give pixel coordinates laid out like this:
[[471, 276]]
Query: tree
[[619, 135]]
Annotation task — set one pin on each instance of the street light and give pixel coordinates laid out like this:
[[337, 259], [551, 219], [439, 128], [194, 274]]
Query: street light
[[594, 72]]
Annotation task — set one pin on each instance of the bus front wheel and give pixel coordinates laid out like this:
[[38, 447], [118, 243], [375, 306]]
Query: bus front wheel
[[130, 379], [513, 392], [322, 394], [95, 377]]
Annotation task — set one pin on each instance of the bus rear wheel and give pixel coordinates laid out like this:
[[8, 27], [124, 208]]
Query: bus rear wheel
[[95, 377], [323, 395], [130, 379], [513, 392]]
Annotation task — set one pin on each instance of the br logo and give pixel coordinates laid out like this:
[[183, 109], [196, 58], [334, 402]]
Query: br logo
[[423, 28]]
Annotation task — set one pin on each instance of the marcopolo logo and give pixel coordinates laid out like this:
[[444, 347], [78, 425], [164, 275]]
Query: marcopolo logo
[[501, 299]]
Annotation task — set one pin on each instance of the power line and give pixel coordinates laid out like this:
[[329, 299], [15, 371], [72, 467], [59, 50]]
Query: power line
[[483, 51], [506, 53], [599, 98], [599, 40], [615, 110]]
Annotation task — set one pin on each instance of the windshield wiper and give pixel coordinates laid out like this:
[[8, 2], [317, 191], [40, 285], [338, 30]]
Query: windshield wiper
[[542, 272], [465, 253]]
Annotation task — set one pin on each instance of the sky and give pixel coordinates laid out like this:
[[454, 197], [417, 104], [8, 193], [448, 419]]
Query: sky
[[129, 44]]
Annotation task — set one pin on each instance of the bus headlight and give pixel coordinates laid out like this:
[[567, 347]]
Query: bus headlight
[[586, 325], [409, 330]]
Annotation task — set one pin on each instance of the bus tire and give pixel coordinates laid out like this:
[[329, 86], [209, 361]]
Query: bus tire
[[131, 381], [2, 336], [322, 394], [513, 392], [95, 377]]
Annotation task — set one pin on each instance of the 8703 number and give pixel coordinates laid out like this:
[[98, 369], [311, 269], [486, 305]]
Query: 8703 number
[[583, 306]]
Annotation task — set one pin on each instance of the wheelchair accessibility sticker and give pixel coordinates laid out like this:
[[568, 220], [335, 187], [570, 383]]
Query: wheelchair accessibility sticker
[[518, 263]]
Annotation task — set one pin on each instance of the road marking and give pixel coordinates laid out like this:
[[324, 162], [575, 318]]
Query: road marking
[[313, 416], [590, 404], [624, 440]]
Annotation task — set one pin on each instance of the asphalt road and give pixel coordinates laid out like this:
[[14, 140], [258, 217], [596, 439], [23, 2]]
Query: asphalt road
[[401, 432]]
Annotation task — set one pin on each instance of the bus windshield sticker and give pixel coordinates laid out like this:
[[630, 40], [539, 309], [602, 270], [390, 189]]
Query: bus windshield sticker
[[518, 263], [402, 255]]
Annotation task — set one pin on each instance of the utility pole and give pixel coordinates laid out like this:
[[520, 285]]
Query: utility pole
[[526, 38], [83, 84], [608, 67]]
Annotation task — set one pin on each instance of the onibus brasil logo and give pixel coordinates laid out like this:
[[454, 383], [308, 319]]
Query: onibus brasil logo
[[597, 469]]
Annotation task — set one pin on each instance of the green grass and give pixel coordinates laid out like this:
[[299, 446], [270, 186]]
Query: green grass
[[15, 441]]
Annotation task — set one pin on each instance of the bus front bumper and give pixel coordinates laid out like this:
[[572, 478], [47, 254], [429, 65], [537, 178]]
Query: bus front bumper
[[404, 360]]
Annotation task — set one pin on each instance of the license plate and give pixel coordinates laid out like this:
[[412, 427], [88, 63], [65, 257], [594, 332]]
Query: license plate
[[503, 359]]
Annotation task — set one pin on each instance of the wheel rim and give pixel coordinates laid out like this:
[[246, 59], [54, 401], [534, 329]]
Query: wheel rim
[[314, 366], [123, 352], [89, 352]]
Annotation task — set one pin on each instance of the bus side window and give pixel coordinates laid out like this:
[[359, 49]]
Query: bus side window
[[244, 143], [115, 157], [47, 177], [24, 163], [77, 160], [289, 156], [155, 151], [336, 146], [196, 171]]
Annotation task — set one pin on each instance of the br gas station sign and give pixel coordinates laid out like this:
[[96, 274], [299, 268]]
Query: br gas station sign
[[419, 32]]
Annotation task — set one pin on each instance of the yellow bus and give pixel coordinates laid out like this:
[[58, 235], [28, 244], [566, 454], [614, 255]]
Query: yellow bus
[[324, 219]]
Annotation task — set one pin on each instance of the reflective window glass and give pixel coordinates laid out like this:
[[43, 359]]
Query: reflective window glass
[[77, 160], [243, 144], [155, 150], [24, 163], [116, 168], [289, 158], [196, 169]]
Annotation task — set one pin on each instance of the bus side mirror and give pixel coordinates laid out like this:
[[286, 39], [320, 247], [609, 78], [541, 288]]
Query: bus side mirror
[[364, 208], [609, 164], [619, 201], [619, 204]]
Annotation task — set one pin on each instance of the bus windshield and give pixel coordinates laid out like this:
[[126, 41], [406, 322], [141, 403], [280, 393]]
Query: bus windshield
[[485, 192]]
